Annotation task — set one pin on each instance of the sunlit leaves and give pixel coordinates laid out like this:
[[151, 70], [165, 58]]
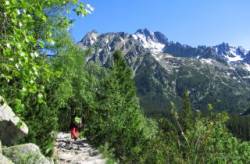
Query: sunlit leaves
[[83, 9], [25, 31], [21, 40], [19, 106]]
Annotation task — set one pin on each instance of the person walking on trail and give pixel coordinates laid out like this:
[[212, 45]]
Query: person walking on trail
[[74, 128]]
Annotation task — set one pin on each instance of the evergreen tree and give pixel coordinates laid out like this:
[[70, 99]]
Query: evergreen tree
[[118, 119], [122, 78], [186, 114], [239, 126]]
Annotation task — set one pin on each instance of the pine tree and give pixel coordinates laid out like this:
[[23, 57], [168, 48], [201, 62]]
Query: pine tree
[[118, 119], [122, 75], [186, 115]]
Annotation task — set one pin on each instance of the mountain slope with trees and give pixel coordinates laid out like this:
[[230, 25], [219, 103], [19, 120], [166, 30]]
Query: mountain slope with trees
[[164, 69]]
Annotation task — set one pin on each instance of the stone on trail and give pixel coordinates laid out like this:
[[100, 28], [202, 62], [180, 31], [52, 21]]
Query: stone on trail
[[28, 153], [5, 160], [69, 151]]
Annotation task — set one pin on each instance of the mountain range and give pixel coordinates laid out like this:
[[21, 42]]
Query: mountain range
[[163, 69]]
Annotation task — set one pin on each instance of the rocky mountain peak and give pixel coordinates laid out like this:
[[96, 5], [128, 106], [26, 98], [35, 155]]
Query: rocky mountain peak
[[90, 38], [163, 69], [145, 32], [230, 53], [161, 37], [144, 40], [152, 41], [240, 50], [223, 47], [155, 36]]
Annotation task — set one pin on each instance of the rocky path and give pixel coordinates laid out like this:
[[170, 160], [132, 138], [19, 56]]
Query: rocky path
[[69, 151]]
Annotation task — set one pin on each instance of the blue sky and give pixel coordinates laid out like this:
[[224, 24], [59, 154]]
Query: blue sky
[[193, 22]]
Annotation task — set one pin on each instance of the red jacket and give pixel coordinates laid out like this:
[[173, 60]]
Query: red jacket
[[74, 132]]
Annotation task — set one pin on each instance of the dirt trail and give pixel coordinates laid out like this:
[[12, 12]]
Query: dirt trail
[[76, 152]]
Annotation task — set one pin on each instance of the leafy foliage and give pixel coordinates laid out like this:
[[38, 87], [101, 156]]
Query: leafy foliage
[[206, 141], [73, 88], [26, 31]]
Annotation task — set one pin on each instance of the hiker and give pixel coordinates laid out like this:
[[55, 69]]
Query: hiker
[[74, 128]]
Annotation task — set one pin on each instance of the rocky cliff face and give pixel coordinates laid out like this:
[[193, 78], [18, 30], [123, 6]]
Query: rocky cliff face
[[164, 69], [11, 130], [11, 127]]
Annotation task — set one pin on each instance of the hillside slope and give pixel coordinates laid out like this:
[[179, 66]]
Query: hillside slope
[[163, 70]]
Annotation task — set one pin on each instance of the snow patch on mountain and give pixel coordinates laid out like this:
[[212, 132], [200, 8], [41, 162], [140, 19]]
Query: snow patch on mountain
[[158, 57], [246, 77], [161, 57], [207, 61], [234, 58], [231, 53], [148, 43], [247, 67], [90, 38]]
